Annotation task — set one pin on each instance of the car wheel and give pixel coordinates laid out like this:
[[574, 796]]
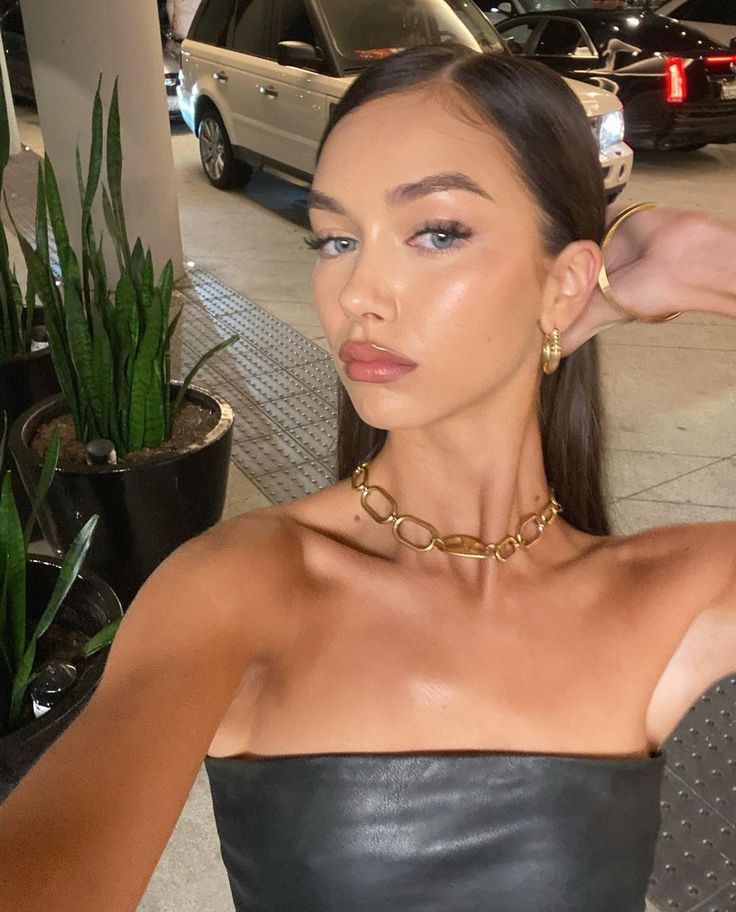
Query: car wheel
[[223, 170]]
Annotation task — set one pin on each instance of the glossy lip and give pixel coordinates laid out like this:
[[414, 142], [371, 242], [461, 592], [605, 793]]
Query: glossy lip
[[371, 363], [370, 352]]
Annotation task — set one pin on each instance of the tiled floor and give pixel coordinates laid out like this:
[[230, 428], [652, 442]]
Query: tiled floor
[[671, 401]]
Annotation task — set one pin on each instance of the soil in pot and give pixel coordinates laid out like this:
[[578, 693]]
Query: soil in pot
[[189, 428]]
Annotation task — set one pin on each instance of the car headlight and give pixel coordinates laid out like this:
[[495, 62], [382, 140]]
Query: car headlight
[[611, 129]]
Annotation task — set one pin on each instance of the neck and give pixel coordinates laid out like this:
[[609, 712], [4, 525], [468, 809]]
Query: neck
[[476, 475]]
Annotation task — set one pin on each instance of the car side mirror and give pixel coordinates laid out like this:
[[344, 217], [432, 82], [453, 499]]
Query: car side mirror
[[732, 44], [505, 7], [298, 54], [513, 45]]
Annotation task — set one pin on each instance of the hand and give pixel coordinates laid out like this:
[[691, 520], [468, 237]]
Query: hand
[[661, 260]]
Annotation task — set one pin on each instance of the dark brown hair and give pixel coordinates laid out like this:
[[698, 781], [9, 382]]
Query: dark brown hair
[[548, 135]]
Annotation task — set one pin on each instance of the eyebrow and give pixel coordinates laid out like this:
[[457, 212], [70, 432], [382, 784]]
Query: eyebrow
[[317, 200], [435, 183], [424, 186]]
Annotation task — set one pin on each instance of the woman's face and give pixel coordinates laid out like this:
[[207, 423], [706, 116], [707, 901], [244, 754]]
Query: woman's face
[[430, 248]]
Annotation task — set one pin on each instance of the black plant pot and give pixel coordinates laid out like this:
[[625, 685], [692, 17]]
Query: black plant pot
[[25, 380], [146, 510], [89, 606]]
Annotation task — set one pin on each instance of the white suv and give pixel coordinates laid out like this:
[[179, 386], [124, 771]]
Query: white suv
[[259, 77]]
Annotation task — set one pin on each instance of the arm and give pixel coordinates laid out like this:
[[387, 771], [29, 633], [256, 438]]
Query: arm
[[85, 829], [662, 260]]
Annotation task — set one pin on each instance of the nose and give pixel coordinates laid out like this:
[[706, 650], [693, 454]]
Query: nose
[[368, 292]]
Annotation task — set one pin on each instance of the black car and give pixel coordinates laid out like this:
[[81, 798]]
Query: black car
[[19, 66], [677, 86]]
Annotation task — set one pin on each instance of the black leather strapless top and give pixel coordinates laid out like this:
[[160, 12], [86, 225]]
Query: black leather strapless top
[[437, 832]]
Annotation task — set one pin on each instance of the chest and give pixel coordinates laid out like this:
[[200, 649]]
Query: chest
[[415, 670]]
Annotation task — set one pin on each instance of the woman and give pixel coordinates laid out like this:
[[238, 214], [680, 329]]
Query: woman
[[480, 734]]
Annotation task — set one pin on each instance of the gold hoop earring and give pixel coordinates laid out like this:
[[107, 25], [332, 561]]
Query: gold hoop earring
[[551, 352]]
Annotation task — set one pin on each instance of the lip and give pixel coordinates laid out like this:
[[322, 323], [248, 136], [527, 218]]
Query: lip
[[370, 353], [371, 363]]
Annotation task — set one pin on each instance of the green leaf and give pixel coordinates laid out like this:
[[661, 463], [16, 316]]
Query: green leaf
[[147, 282], [50, 462], [155, 423], [42, 225], [103, 380], [137, 260], [101, 639], [115, 173], [102, 294], [166, 378], [166, 285], [3, 436], [67, 575], [113, 228], [67, 257], [11, 535], [4, 646], [126, 321], [143, 373], [4, 130], [30, 305], [95, 156], [179, 402], [79, 344], [70, 568], [40, 274]]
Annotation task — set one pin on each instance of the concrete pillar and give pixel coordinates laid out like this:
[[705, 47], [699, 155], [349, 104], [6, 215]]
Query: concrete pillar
[[12, 121], [70, 42]]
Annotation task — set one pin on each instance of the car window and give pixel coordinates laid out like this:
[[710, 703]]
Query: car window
[[651, 34], [536, 6], [251, 26], [366, 30], [212, 22], [12, 23], [564, 38], [721, 12], [294, 23], [517, 34]]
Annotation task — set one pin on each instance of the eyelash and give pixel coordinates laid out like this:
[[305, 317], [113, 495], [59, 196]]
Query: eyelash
[[452, 228]]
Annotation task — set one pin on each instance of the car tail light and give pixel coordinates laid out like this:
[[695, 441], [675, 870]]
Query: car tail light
[[724, 59], [676, 80], [721, 64]]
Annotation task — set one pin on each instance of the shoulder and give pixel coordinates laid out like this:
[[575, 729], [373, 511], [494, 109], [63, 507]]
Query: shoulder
[[697, 559], [230, 585], [685, 576]]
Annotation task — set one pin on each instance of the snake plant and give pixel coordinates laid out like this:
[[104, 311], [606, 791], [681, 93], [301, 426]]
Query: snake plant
[[18, 642], [16, 310], [110, 349]]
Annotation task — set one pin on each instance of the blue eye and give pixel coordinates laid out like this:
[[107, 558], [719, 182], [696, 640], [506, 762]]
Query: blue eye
[[339, 245], [442, 240], [331, 246], [442, 237]]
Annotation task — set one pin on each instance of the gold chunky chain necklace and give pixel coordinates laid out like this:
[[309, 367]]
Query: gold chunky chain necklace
[[532, 525]]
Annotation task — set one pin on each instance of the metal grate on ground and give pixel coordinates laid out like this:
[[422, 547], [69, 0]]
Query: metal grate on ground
[[283, 390], [282, 386]]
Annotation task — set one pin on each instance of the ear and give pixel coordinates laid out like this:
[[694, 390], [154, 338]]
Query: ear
[[569, 283]]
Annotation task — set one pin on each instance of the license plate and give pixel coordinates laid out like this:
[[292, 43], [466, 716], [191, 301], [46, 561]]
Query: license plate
[[728, 91]]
